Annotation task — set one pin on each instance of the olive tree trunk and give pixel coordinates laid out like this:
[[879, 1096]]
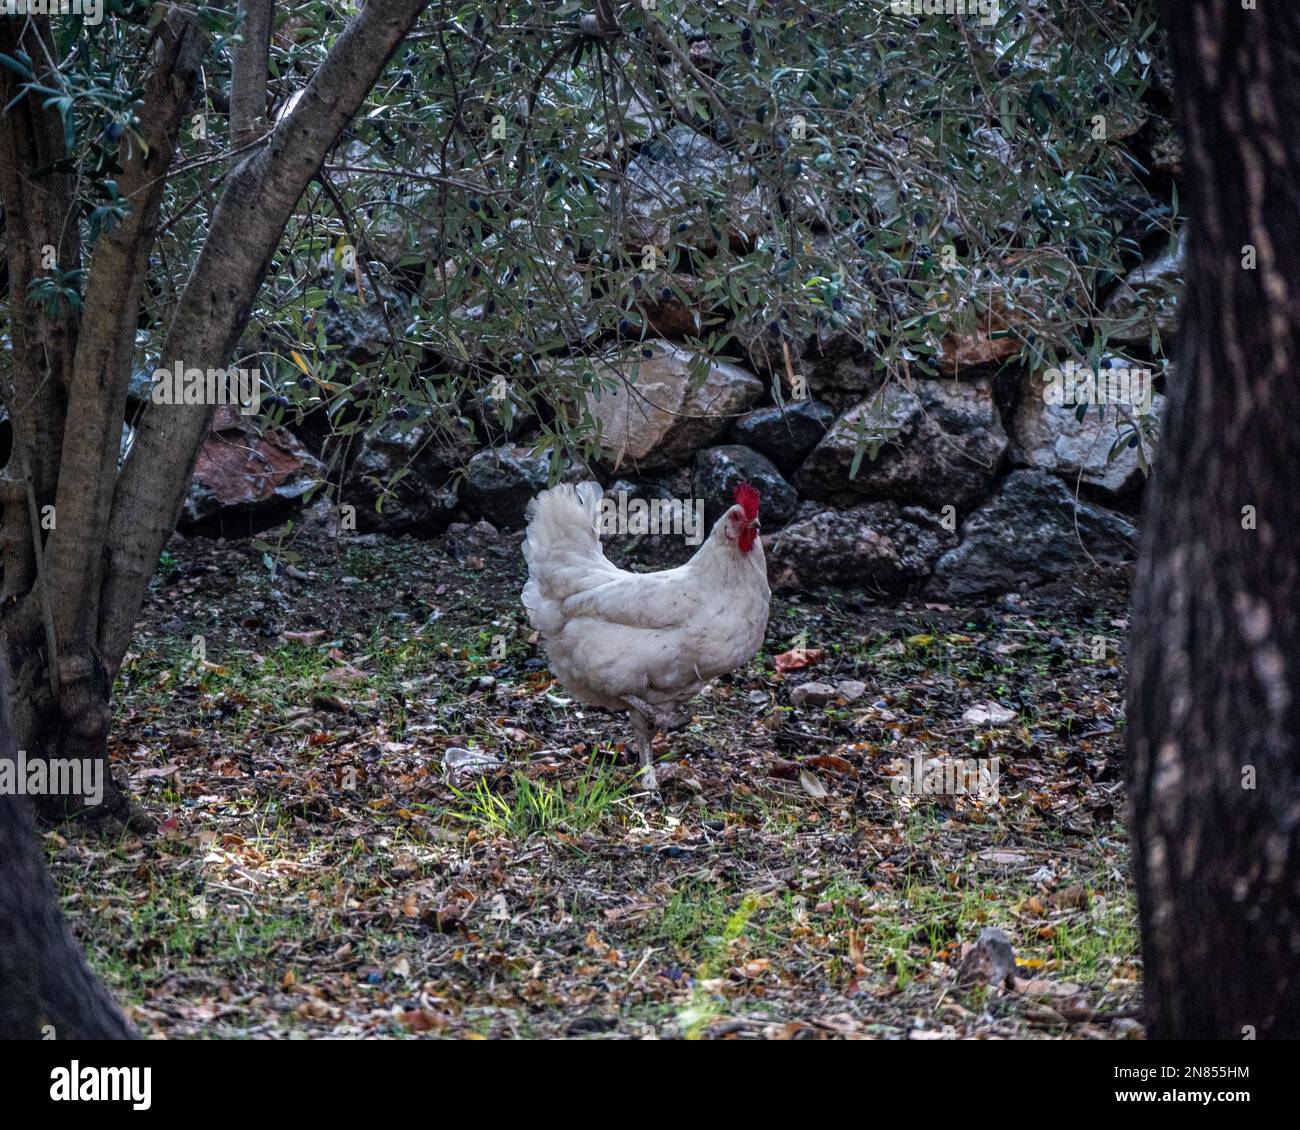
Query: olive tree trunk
[[46, 989], [1214, 686], [79, 540]]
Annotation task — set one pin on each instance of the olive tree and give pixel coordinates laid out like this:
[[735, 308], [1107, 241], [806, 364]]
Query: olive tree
[[1213, 712], [80, 539]]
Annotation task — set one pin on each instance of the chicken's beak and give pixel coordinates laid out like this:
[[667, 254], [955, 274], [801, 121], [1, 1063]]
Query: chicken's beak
[[754, 525]]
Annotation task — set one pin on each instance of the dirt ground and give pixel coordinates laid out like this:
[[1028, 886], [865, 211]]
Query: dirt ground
[[283, 719]]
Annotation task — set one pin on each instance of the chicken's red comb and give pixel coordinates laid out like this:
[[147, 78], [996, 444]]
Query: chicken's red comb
[[747, 498]]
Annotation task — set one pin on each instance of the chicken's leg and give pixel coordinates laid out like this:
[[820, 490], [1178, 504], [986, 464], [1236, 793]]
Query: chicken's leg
[[645, 736], [663, 719]]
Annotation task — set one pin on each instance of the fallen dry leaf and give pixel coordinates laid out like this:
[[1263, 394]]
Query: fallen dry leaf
[[797, 657]]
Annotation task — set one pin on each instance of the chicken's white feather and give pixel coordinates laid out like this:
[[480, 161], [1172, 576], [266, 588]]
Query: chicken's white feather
[[660, 637]]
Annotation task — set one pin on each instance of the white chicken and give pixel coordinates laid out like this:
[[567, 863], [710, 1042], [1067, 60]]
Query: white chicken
[[642, 642]]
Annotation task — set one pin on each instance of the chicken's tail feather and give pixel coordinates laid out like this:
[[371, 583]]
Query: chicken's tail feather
[[562, 549], [565, 513]]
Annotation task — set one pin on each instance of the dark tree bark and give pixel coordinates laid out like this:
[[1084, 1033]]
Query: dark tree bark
[[46, 989], [1214, 692]]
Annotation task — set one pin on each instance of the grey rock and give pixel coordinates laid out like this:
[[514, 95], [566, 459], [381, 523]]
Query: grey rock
[[500, 481], [785, 434], [654, 415], [1147, 299], [639, 490], [1026, 534], [939, 443], [684, 179], [360, 332], [401, 483], [719, 469], [1052, 437], [987, 714], [811, 694], [879, 546]]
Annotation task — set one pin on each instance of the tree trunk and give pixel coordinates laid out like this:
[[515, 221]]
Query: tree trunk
[[248, 76], [214, 308], [72, 588], [1213, 707], [46, 989], [54, 561]]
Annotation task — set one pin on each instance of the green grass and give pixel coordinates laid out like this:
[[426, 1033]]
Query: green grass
[[699, 944], [183, 923], [705, 1006], [694, 913], [535, 808], [1087, 951], [365, 564]]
